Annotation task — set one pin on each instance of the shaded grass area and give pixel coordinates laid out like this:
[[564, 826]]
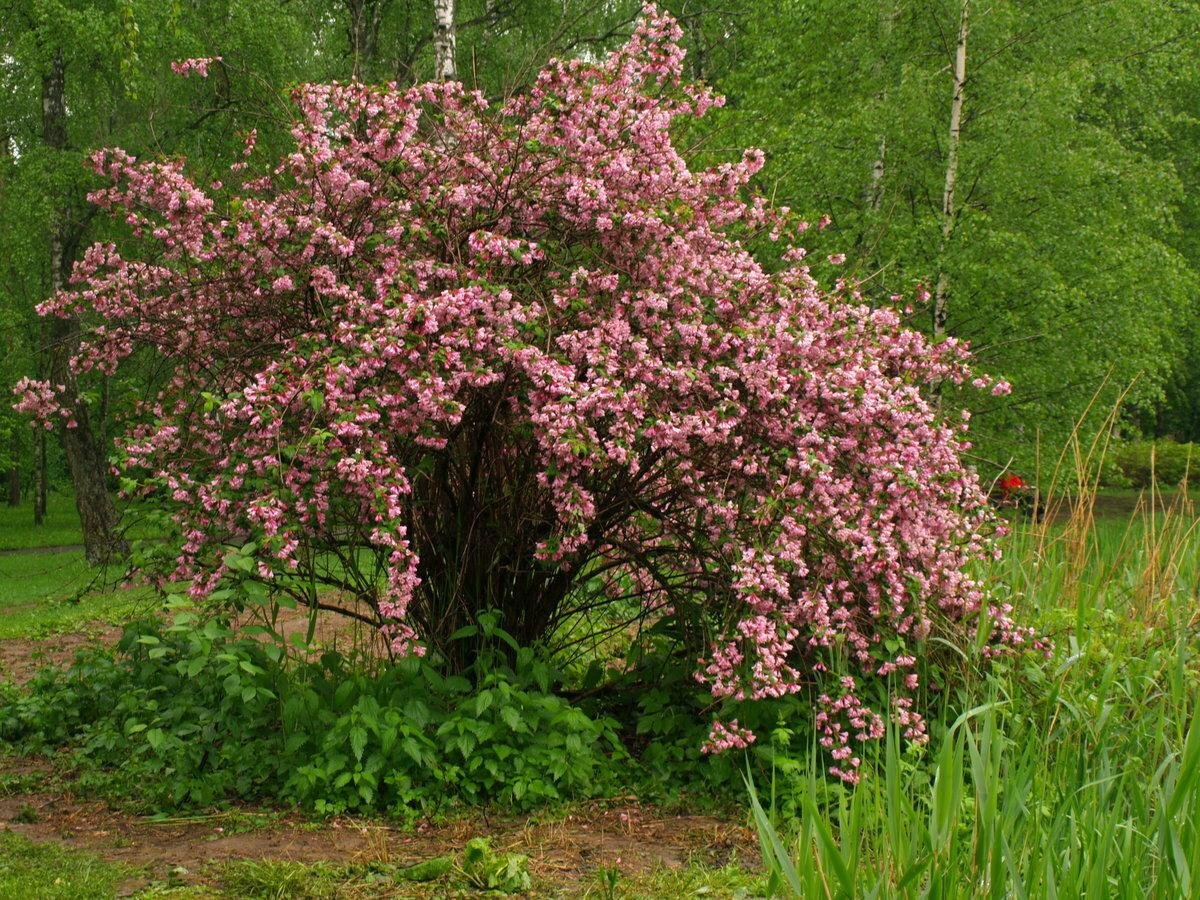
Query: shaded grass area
[[48, 593], [60, 528]]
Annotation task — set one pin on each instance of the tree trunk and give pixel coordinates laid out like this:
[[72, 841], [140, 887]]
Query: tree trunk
[[362, 29], [85, 457], [949, 211], [14, 481], [39, 477], [14, 474], [444, 40], [887, 20]]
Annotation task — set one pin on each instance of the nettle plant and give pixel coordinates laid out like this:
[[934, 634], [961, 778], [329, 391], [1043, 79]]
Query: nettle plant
[[448, 357]]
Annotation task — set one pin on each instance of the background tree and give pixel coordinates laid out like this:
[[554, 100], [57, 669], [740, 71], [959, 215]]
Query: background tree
[[1067, 269], [79, 75]]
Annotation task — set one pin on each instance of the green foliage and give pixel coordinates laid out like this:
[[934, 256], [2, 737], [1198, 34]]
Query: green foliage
[[195, 714], [1144, 464], [486, 870], [1072, 261], [411, 735], [188, 714]]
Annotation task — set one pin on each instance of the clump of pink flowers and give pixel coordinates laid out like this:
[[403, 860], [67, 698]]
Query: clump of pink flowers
[[198, 66], [519, 358], [728, 736]]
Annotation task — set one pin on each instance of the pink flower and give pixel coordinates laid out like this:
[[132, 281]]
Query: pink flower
[[198, 66], [730, 736]]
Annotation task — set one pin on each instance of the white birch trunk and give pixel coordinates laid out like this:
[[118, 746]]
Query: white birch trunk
[[949, 209], [444, 40], [887, 20]]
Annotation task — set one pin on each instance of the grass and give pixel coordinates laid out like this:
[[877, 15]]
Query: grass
[[45, 593], [30, 871], [323, 881], [60, 528], [48, 593], [1078, 777]]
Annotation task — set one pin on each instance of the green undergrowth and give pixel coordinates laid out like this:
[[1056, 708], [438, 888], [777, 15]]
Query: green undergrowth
[[193, 714]]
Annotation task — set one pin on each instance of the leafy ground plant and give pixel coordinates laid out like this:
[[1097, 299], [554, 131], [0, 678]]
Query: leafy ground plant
[[195, 714]]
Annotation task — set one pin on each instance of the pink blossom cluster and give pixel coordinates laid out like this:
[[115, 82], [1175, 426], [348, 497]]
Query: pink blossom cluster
[[727, 736], [841, 720], [198, 66], [40, 400], [542, 313]]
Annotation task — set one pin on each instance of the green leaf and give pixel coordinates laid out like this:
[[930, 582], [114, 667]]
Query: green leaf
[[358, 741]]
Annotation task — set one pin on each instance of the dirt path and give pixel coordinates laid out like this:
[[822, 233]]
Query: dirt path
[[564, 852], [21, 658]]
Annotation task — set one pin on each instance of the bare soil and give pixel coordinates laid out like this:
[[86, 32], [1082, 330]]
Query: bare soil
[[21, 658], [565, 851]]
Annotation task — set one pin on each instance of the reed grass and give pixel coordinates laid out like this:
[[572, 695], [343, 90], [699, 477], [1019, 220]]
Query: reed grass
[[1076, 776]]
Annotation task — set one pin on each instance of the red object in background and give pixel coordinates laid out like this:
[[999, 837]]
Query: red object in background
[[1011, 483]]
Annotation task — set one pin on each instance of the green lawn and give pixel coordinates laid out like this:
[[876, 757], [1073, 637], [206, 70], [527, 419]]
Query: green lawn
[[46, 593], [30, 871], [61, 527], [50, 592]]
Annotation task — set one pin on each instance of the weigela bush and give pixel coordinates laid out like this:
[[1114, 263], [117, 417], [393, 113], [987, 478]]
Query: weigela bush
[[449, 357]]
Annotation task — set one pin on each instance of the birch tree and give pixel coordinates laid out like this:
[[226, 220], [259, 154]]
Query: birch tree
[[444, 41], [1049, 217], [951, 183]]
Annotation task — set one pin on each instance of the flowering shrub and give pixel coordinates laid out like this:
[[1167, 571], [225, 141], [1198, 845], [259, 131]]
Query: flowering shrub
[[449, 358]]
